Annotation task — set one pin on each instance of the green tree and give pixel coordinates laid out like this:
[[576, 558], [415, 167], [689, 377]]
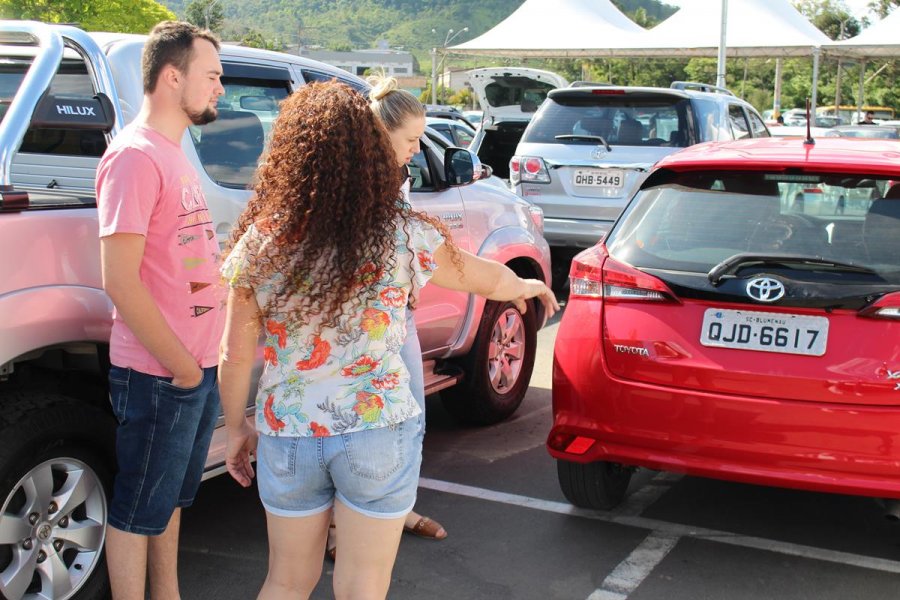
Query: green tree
[[883, 7], [127, 16], [831, 17], [205, 13]]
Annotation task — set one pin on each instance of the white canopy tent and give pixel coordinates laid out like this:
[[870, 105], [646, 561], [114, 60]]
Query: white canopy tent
[[878, 41], [596, 28], [764, 28], [555, 29]]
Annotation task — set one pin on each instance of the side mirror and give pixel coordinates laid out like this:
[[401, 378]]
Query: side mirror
[[461, 167]]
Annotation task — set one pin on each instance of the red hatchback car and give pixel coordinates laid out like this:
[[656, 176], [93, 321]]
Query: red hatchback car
[[740, 321]]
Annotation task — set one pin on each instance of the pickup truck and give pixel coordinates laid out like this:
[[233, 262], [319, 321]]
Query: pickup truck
[[64, 94]]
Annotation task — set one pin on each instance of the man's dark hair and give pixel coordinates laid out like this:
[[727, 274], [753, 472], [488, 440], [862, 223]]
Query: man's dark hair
[[171, 43]]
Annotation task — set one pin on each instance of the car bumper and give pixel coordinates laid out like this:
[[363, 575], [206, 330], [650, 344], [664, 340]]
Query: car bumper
[[807, 445], [574, 233]]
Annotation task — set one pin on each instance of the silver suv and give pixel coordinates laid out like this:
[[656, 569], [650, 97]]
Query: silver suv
[[587, 150]]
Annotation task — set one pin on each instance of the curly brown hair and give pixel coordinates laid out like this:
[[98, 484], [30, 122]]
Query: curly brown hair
[[328, 200]]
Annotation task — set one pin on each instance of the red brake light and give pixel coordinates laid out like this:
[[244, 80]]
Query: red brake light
[[594, 274], [608, 92], [586, 273], [623, 282], [533, 165], [886, 307]]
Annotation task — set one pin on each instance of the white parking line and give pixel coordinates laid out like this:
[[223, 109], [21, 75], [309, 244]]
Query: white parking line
[[666, 528], [629, 574]]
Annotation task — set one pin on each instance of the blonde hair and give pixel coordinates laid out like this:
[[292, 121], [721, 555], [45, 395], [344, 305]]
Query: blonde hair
[[390, 104]]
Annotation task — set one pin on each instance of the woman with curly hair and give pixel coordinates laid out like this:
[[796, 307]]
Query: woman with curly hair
[[323, 262], [403, 116]]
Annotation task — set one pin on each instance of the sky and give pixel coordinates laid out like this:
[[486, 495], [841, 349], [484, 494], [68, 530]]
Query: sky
[[858, 8]]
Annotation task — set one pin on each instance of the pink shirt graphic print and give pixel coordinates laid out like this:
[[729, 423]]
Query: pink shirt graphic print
[[147, 186]]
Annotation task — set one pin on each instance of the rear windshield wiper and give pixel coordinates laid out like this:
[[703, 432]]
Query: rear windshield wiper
[[731, 264], [590, 138]]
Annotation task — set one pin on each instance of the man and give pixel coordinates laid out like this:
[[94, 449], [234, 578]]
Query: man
[[869, 118], [159, 258]]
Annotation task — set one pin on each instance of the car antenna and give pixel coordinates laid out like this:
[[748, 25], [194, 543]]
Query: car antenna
[[809, 138]]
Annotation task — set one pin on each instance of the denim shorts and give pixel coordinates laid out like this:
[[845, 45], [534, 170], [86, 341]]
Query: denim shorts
[[161, 446], [374, 472]]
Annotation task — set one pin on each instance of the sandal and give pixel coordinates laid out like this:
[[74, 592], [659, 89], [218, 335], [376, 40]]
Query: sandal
[[427, 528]]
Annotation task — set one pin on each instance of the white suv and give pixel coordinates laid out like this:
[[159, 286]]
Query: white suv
[[588, 149]]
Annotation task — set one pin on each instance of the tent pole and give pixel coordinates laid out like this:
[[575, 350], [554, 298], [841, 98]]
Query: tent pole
[[815, 83], [862, 88], [776, 105], [434, 75], [720, 70]]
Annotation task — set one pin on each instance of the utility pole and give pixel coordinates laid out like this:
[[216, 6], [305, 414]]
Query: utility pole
[[434, 62]]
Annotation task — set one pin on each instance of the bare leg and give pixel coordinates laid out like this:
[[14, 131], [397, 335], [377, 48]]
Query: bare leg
[[126, 557], [162, 561], [368, 550], [296, 545]]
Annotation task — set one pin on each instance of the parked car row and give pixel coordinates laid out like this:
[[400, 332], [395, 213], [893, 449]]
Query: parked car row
[[736, 311]]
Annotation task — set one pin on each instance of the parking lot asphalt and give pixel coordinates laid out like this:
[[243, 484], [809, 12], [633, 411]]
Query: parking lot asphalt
[[513, 536]]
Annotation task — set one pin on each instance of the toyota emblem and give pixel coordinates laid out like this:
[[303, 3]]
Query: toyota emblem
[[765, 289], [598, 152]]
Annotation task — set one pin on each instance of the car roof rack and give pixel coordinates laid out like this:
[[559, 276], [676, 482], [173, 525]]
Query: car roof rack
[[576, 84], [700, 87]]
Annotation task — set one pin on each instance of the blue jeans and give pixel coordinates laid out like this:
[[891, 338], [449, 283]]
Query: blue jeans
[[161, 446]]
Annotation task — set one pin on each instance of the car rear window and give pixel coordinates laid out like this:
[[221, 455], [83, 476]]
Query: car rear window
[[693, 221], [620, 119]]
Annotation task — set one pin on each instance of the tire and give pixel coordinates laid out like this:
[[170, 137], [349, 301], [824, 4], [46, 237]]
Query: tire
[[55, 478], [598, 485], [494, 385]]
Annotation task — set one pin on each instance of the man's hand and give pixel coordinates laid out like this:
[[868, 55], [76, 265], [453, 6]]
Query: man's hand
[[189, 379], [241, 444]]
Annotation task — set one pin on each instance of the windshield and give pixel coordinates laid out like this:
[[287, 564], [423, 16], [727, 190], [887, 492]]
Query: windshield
[[696, 220], [620, 119]]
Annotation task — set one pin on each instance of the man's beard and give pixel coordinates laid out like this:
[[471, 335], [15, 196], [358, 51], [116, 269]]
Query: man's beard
[[207, 115]]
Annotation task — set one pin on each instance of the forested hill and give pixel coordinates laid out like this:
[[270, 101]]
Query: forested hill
[[346, 24]]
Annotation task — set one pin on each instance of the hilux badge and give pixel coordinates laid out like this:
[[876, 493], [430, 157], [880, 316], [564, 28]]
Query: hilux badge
[[765, 289]]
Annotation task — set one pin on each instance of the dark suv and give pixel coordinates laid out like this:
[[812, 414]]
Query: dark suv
[[588, 149]]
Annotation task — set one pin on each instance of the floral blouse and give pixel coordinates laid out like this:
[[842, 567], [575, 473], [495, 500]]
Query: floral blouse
[[348, 378]]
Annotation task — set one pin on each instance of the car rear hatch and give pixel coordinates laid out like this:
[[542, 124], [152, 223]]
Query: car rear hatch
[[512, 93], [598, 145], [713, 283]]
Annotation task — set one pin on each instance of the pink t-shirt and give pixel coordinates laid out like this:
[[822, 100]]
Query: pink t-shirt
[[146, 185]]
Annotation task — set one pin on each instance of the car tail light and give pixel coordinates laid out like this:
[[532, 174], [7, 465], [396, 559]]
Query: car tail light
[[586, 273], [530, 169], [608, 92], [514, 170], [623, 282], [594, 274], [886, 307]]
